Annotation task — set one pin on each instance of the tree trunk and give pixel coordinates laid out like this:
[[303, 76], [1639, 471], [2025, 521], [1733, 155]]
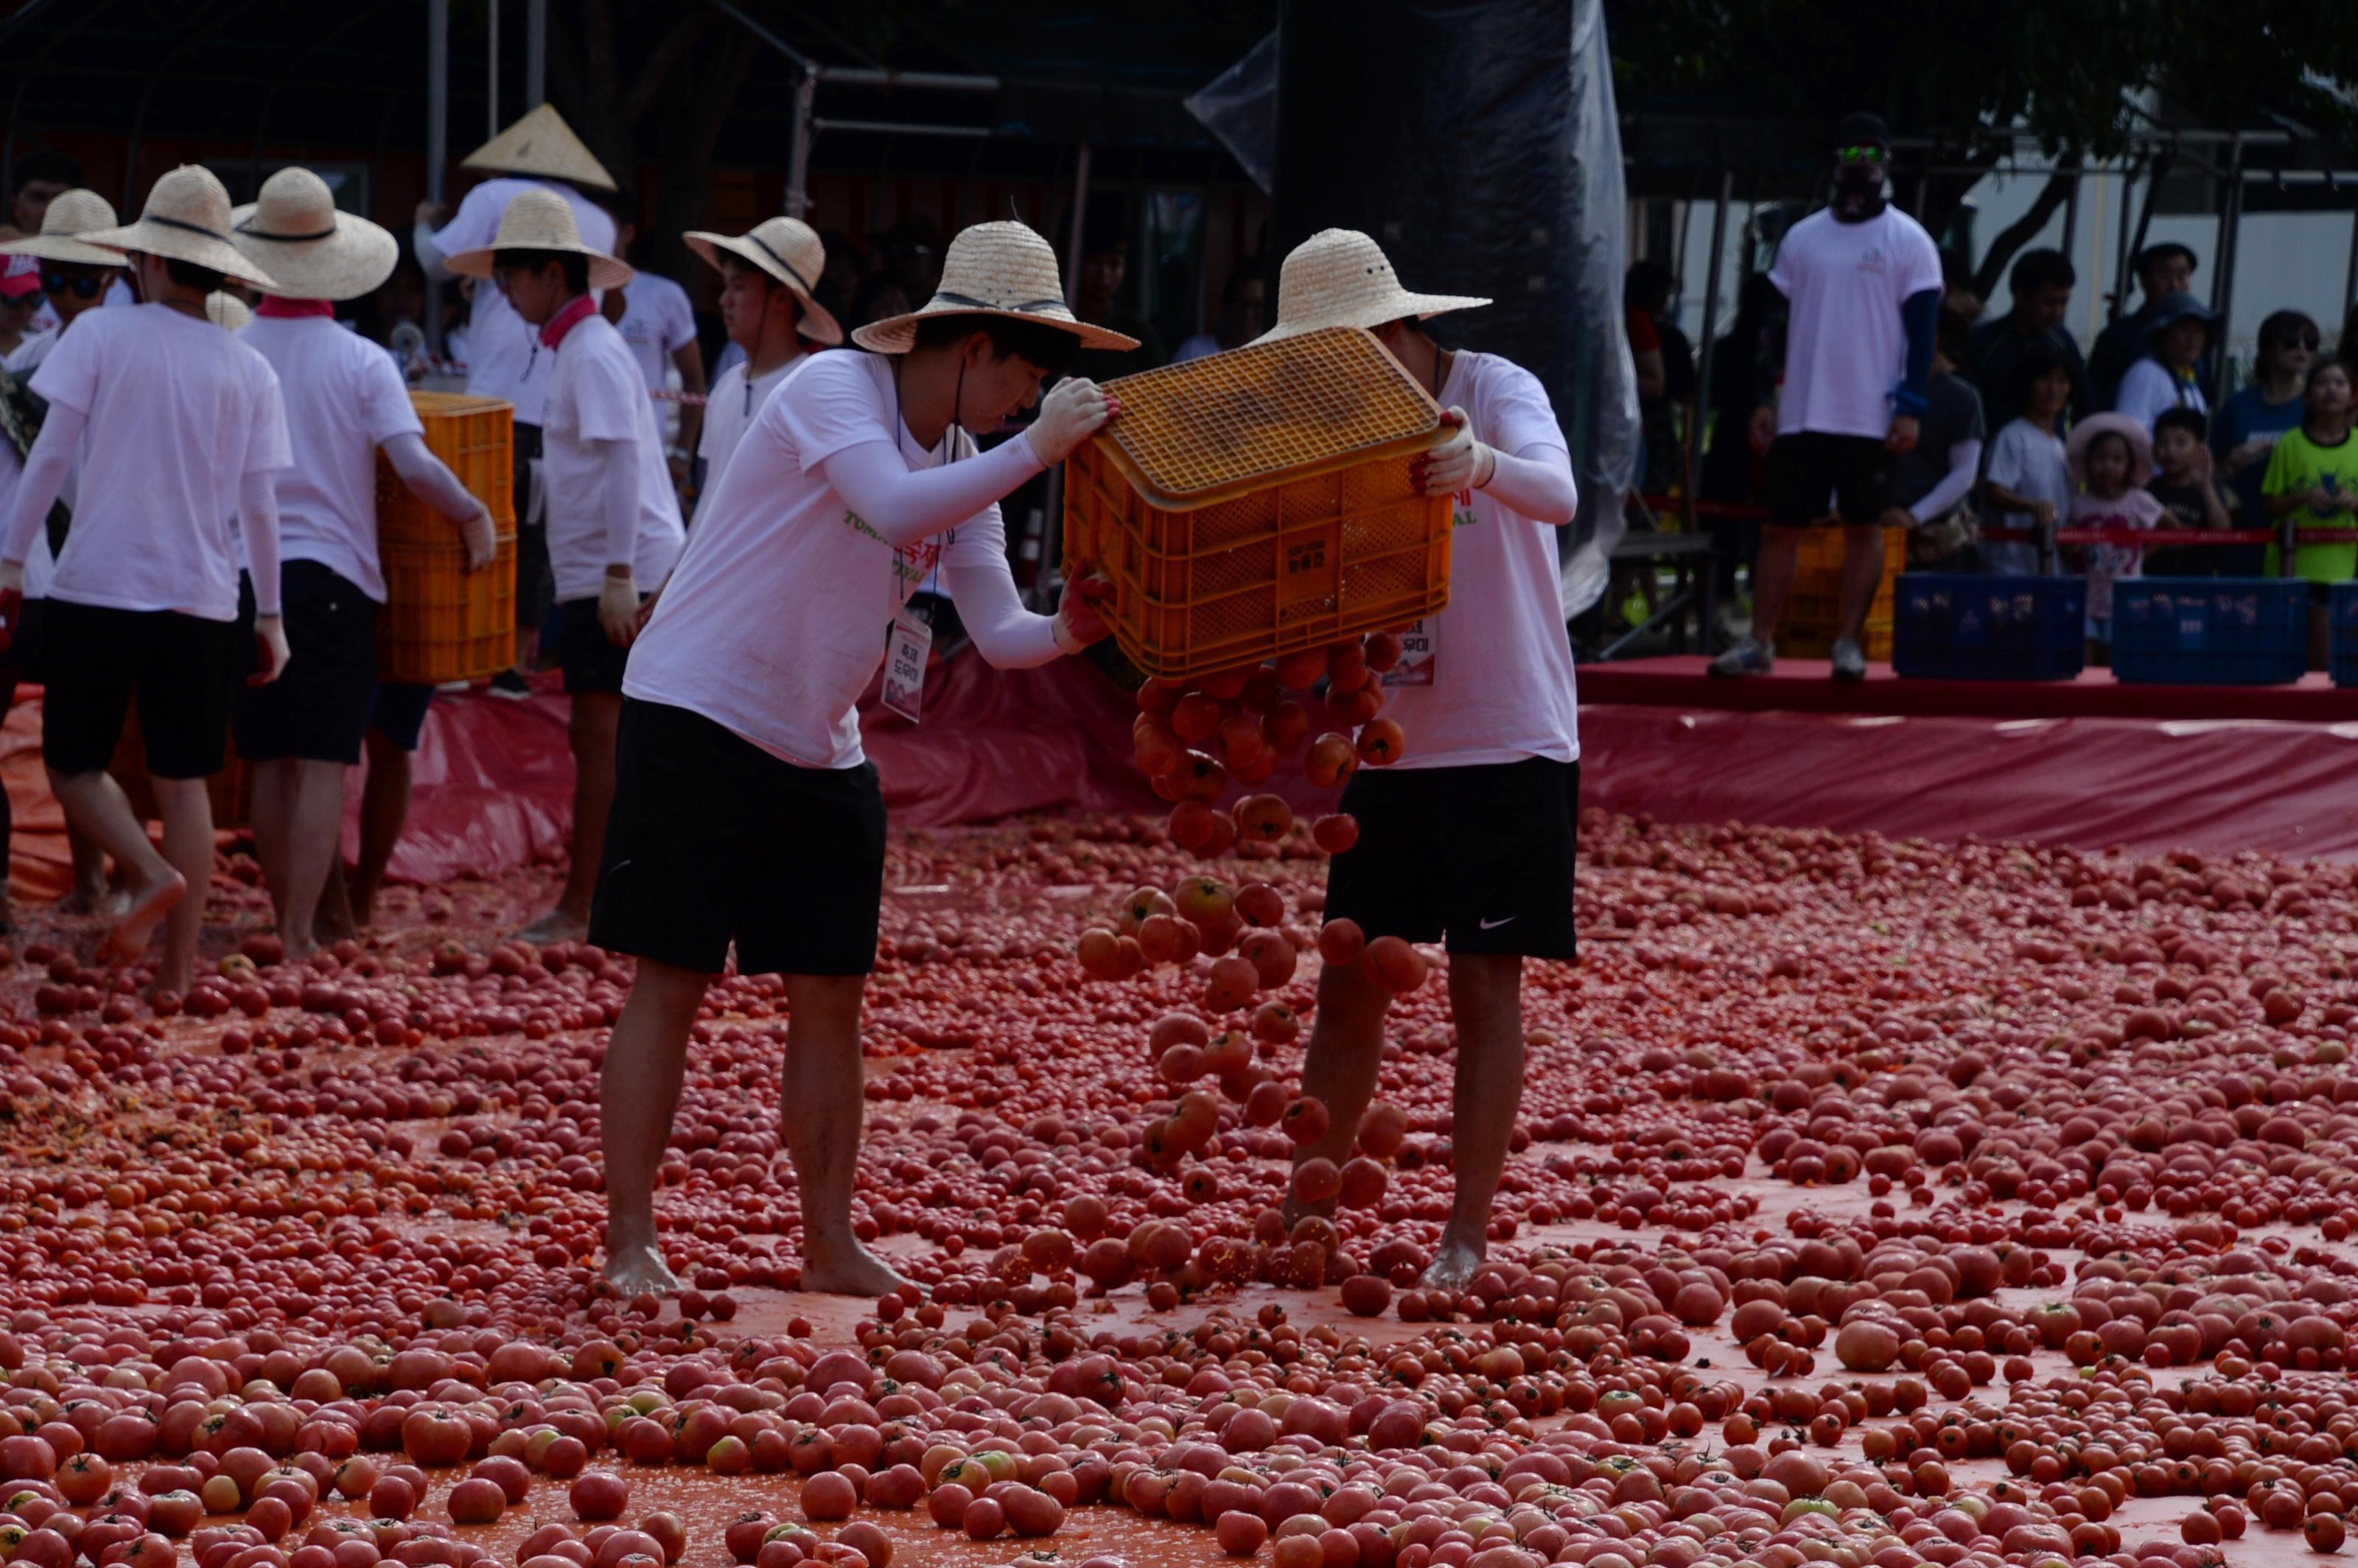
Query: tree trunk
[[2023, 230]]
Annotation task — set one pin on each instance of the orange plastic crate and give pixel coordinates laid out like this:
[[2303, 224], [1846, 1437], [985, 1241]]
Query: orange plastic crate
[[440, 622], [1259, 502]]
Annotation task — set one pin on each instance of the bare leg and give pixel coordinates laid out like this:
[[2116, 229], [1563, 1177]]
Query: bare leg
[[1345, 1055], [189, 846], [89, 889], [384, 807], [820, 1118], [1772, 580], [333, 922], [595, 716], [1862, 575], [314, 829], [1485, 1000], [274, 810], [638, 1090], [96, 805]]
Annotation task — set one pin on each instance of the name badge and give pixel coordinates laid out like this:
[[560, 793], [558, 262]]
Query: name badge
[[1419, 654], [906, 643]]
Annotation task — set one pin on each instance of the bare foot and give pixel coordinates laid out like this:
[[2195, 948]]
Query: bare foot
[[555, 927], [1453, 1265], [852, 1271], [299, 945], [146, 911], [640, 1267]]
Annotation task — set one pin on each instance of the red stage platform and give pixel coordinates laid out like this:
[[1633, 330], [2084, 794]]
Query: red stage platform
[[1804, 686]]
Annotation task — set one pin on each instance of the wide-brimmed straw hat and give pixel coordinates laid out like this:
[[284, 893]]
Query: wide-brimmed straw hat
[[788, 250], [541, 143], [226, 310], [186, 218], [2139, 439], [993, 269], [297, 235], [540, 221], [71, 216], [1339, 278]]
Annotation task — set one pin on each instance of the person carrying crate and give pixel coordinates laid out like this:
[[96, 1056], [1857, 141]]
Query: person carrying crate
[[744, 810], [345, 400], [185, 433], [1468, 839], [613, 517]]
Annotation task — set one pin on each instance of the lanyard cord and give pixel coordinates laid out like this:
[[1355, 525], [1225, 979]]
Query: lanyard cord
[[947, 453]]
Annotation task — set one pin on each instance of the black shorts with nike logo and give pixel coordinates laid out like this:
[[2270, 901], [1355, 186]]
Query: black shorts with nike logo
[[1481, 855]]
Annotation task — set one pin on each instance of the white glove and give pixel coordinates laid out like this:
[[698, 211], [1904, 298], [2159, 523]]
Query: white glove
[[1073, 410], [1461, 464], [269, 650], [12, 577], [483, 539], [618, 609]]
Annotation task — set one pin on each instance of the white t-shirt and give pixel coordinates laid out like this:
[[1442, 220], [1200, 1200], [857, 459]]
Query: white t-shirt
[[179, 411], [774, 621], [595, 395], [727, 414], [2148, 388], [344, 399], [39, 564], [1845, 346], [656, 323], [500, 360], [2032, 464], [1501, 677], [1203, 345]]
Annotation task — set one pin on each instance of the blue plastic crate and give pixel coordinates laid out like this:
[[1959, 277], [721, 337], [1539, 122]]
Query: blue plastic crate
[[2210, 630], [2341, 644], [1966, 626]]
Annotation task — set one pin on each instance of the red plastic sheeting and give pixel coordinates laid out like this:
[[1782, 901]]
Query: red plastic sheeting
[[2210, 786]]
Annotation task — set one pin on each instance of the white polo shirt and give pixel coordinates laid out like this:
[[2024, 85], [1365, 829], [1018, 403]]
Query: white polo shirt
[[595, 395]]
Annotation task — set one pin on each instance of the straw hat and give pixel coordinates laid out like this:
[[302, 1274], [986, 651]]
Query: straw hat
[[541, 143], [1339, 278], [186, 218], [787, 249], [226, 310], [71, 215], [2140, 440], [314, 251], [540, 221], [993, 269]]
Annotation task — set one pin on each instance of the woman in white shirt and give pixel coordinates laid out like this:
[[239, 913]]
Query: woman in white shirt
[[2182, 331]]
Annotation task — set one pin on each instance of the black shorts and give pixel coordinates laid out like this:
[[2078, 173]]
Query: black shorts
[[592, 660], [183, 668], [319, 709], [398, 712], [1482, 855], [535, 592], [1807, 468], [712, 840]]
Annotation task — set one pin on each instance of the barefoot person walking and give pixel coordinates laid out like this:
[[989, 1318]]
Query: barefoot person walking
[[744, 809], [613, 518], [185, 432], [1469, 838]]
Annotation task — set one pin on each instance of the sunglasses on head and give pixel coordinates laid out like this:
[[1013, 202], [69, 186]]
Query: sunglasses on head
[[1869, 154], [80, 287]]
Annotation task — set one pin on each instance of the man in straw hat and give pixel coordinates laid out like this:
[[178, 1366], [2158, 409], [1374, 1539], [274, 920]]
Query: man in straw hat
[[345, 400], [1469, 838], [541, 153], [767, 277], [613, 518], [186, 433], [744, 810]]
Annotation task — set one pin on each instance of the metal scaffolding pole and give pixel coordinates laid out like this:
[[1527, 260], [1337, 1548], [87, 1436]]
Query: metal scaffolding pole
[[1696, 413], [438, 139], [536, 53]]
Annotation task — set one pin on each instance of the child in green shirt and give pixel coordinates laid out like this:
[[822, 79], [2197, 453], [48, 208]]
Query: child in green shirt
[[2314, 474]]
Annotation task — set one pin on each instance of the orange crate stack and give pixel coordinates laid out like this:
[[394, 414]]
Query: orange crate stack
[[1259, 502], [1812, 617], [440, 622]]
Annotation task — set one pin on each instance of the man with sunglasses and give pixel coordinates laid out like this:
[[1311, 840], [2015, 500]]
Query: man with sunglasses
[[1862, 284]]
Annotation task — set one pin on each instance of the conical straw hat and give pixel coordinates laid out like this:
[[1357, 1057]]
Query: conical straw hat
[[186, 218], [541, 143], [789, 251], [226, 310], [993, 269], [540, 221], [71, 215], [1339, 278], [315, 252]]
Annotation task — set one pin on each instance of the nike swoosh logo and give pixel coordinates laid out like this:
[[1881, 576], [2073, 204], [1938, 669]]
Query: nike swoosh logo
[[1494, 924]]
